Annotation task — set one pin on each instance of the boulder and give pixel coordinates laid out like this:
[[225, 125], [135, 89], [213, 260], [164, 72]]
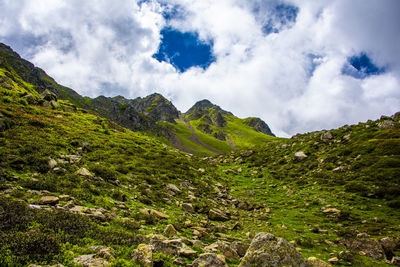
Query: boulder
[[91, 261], [334, 260], [395, 261], [77, 209], [210, 260], [52, 163], [186, 251], [188, 207], [326, 136], [300, 155], [170, 230], [158, 215], [223, 247], [165, 246], [389, 245], [369, 247], [268, 250], [103, 252], [48, 95], [386, 124], [48, 200], [240, 248], [314, 262], [143, 255], [30, 99], [331, 211], [84, 172], [173, 189], [218, 215]]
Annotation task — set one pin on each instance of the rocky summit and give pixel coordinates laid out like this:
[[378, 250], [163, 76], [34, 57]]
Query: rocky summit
[[111, 181]]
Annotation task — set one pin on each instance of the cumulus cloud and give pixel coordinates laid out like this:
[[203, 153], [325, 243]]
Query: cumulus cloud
[[275, 59]]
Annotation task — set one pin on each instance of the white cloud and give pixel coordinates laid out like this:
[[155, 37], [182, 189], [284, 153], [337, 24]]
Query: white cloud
[[291, 79]]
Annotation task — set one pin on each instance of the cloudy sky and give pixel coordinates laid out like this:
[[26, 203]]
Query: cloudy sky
[[300, 65]]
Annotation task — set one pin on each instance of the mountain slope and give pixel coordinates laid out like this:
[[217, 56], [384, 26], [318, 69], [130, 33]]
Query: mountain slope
[[221, 130], [153, 115]]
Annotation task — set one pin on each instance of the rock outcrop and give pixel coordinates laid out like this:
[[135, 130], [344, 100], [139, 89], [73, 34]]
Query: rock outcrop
[[268, 250]]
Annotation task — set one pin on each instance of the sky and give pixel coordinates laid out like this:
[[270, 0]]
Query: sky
[[300, 65]]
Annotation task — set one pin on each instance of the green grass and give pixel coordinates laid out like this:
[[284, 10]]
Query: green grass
[[210, 140], [183, 133]]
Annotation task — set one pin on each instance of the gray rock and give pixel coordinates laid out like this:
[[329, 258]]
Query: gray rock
[[173, 189], [240, 248], [165, 246], [186, 251], [371, 248], [84, 172], [91, 261], [347, 137], [314, 262], [210, 260], [268, 250], [30, 99], [52, 163], [104, 252], [389, 245], [188, 207], [386, 124], [300, 155], [143, 255], [170, 230], [395, 261], [326, 136], [48, 95], [218, 215], [48, 200], [223, 247]]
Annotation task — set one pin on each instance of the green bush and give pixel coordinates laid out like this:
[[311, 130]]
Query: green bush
[[6, 99], [105, 172], [32, 246], [14, 215], [23, 101], [394, 204], [357, 187]]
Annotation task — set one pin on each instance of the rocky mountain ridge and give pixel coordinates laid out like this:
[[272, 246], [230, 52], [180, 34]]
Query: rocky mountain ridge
[[140, 114]]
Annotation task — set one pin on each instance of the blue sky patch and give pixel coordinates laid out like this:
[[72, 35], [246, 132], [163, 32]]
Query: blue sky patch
[[184, 50], [315, 61], [361, 66], [282, 16]]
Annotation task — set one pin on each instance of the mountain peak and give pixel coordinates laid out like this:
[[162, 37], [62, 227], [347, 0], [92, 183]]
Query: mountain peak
[[205, 103]]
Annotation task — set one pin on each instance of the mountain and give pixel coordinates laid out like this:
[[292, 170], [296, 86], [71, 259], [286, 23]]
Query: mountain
[[79, 189], [153, 114]]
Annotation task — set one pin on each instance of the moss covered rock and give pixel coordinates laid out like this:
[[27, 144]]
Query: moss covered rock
[[268, 250]]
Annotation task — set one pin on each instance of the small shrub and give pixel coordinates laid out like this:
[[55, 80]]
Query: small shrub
[[14, 215], [305, 242], [23, 101], [118, 195], [394, 204], [130, 224], [33, 246], [106, 173], [357, 187], [6, 99]]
